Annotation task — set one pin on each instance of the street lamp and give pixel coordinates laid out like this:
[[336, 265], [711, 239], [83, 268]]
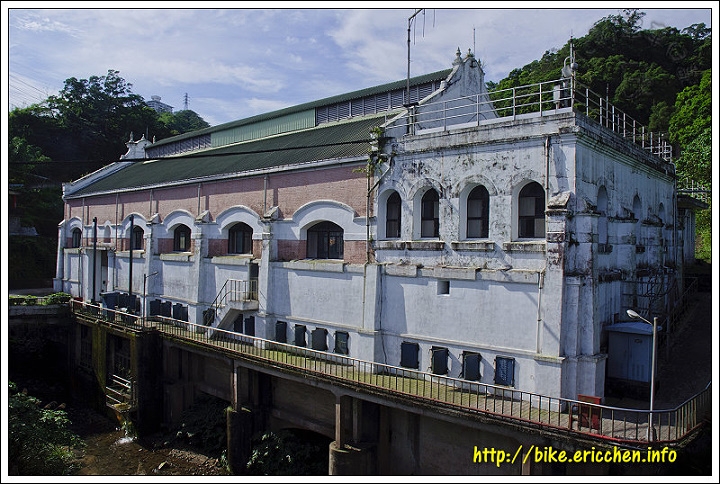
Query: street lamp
[[634, 315], [145, 278]]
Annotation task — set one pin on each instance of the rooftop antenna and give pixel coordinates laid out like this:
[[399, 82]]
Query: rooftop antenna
[[410, 20], [474, 39], [569, 65]]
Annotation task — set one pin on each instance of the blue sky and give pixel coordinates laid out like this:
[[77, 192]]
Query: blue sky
[[234, 63]]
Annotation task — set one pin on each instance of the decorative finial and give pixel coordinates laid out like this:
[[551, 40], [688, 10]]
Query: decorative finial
[[470, 54], [458, 58]]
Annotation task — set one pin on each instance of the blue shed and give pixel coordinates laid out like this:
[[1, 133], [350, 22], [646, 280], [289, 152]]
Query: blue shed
[[630, 351]]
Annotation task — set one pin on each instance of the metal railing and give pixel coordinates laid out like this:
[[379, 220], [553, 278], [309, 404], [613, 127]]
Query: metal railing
[[544, 98], [694, 189], [235, 290], [614, 424], [119, 393]]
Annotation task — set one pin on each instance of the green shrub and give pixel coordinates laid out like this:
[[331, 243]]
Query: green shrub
[[57, 298], [39, 442], [16, 300]]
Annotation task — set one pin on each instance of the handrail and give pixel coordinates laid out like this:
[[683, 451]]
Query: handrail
[[543, 98], [232, 290], [611, 424]]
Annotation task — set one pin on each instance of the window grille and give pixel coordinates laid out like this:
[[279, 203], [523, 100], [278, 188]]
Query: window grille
[[504, 371], [341, 342]]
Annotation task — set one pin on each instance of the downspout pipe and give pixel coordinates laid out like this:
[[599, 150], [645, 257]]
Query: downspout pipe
[[132, 227], [94, 264]]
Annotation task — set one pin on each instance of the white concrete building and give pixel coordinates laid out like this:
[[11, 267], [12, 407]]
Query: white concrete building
[[496, 238]]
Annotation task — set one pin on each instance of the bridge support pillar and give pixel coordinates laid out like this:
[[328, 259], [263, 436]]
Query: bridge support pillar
[[239, 438], [352, 459], [348, 456]]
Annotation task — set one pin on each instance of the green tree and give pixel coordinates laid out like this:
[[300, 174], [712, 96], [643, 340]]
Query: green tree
[[96, 116], [692, 112], [691, 131], [39, 442], [183, 121], [23, 157]]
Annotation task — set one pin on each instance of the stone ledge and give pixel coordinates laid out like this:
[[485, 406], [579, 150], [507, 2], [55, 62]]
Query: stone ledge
[[232, 260], [474, 245], [536, 246], [425, 245], [177, 256]]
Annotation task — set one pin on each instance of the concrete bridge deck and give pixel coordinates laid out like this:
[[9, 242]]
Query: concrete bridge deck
[[563, 417]]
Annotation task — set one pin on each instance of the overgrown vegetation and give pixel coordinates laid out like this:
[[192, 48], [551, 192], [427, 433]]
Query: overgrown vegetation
[[204, 425], [30, 300], [39, 442], [287, 453]]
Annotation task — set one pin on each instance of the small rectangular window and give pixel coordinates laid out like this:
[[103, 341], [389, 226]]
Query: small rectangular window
[[341, 342], [300, 335], [443, 287], [250, 326], [238, 324], [438, 364], [319, 339], [504, 371], [471, 365], [409, 355], [281, 332]]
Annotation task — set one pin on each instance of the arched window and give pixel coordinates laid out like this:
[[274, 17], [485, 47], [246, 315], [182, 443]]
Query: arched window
[[137, 240], [182, 239], [325, 241], [240, 239], [76, 238], [477, 213], [392, 216], [602, 205], [531, 211], [430, 214]]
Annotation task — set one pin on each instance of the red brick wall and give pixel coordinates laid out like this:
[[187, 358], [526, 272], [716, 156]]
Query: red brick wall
[[217, 247]]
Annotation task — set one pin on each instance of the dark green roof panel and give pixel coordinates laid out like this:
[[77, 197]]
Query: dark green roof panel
[[329, 141]]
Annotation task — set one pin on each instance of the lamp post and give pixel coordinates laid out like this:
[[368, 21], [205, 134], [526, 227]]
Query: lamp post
[[634, 315], [145, 278]]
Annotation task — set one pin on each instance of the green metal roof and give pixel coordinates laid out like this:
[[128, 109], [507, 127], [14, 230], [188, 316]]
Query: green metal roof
[[434, 76], [345, 139]]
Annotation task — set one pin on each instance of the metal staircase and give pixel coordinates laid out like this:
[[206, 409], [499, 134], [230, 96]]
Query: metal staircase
[[234, 297]]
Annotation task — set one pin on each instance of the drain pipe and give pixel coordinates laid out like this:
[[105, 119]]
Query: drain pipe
[[541, 275], [132, 227], [94, 264], [541, 283]]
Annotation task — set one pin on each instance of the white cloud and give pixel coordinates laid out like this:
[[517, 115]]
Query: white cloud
[[234, 61]]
